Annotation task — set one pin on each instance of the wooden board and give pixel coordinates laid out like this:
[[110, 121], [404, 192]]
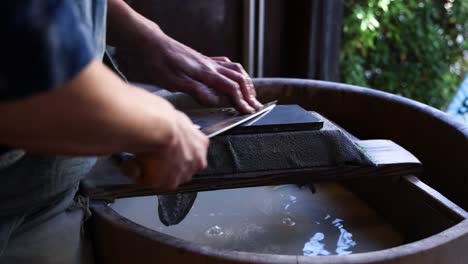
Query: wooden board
[[107, 182]]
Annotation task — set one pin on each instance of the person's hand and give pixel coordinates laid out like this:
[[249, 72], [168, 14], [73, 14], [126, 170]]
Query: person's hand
[[179, 160], [175, 66]]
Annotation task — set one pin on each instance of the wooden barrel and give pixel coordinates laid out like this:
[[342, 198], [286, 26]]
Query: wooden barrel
[[440, 143]]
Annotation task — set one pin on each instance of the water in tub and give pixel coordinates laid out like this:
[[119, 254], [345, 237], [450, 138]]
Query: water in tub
[[285, 219]]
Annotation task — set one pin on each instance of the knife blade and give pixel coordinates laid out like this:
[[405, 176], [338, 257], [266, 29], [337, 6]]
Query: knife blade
[[225, 125], [173, 208], [130, 167]]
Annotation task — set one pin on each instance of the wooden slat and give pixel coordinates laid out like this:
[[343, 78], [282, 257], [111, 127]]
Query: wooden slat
[[386, 152], [435, 199]]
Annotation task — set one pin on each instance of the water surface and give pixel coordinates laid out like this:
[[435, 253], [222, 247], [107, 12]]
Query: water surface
[[285, 219]]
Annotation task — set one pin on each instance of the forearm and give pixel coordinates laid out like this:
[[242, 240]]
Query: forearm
[[95, 113], [172, 65], [127, 29]]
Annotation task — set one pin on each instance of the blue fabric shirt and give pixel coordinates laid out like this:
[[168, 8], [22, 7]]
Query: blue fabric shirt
[[45, 43]]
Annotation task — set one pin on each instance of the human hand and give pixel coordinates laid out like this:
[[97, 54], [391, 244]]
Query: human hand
[[175, 66], [176, 162]]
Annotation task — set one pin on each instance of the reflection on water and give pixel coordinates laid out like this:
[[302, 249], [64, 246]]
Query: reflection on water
[[345, 241], [314, 247], [286, 219]]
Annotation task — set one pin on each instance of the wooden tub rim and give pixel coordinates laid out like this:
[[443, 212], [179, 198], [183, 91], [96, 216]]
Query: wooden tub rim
[[381, 95], [419, 247]]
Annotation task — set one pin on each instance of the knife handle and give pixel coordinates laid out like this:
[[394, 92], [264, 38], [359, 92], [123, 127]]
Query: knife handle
[[131, 168]]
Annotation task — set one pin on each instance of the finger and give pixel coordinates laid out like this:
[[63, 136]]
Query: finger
[[245, 84], [200, 143], [221, 59], [221, 83], [238, 68], [201, 157], [203, 162], [199, 91], [177, 176], [196, 146], [234, 66], [250, 89], [157, 174], [190, 165], [175, 182], [192, 130]]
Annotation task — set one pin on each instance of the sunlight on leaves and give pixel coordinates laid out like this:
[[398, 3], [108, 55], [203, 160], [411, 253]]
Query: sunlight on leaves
[[416, 48]]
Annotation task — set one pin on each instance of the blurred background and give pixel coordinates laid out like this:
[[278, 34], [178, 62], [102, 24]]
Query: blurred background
[[415, 48]]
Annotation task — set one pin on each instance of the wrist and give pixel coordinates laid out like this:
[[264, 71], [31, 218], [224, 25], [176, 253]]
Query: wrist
[[163, 127], [129, 30], [150, 37]]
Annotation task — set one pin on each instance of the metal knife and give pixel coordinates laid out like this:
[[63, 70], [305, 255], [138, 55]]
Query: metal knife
[[173, 208], [225, 125], [131, 168]]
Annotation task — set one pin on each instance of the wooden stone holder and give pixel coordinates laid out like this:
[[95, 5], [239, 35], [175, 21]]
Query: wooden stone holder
[[108, 182]]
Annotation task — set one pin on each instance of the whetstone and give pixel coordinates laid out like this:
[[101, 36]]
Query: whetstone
[[280, 119]]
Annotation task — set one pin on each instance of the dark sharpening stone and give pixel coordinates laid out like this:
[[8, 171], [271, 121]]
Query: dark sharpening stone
[[280, 118]]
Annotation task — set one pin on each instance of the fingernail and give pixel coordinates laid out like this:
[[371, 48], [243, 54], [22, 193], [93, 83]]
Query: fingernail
[[247, 107], [258, 104]]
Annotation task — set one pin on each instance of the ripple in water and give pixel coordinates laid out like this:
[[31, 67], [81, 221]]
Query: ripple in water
[[288, 221], [214, 231]]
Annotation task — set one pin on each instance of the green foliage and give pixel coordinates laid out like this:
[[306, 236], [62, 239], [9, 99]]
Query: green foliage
[[416, 48]]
